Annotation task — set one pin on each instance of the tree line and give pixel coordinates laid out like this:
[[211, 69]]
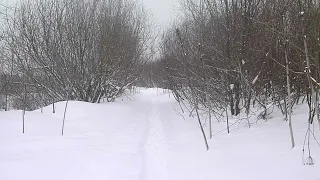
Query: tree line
[[232, 55], [71, 49]]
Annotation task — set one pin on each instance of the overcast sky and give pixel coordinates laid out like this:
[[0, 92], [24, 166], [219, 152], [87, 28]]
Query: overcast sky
[[164, 11]]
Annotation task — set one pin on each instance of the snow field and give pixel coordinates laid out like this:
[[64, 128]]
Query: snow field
[[146, 138]]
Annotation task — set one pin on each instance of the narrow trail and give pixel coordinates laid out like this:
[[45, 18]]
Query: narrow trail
[[155, 148]]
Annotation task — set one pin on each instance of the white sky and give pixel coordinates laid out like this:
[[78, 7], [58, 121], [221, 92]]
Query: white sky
[[164, 11]]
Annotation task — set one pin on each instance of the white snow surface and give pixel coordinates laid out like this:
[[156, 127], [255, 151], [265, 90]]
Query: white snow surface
[[144, 137]]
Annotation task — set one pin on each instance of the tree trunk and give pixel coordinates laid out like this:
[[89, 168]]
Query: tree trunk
[[289, 110]]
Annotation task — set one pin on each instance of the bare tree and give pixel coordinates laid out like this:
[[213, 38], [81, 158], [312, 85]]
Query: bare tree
[[96, 47]]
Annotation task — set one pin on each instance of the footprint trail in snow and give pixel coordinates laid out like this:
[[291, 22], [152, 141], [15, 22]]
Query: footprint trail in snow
[[155, 147]]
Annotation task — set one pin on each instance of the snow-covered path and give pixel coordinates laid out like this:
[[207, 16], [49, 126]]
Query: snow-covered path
[[146, 138], [155, 147]]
